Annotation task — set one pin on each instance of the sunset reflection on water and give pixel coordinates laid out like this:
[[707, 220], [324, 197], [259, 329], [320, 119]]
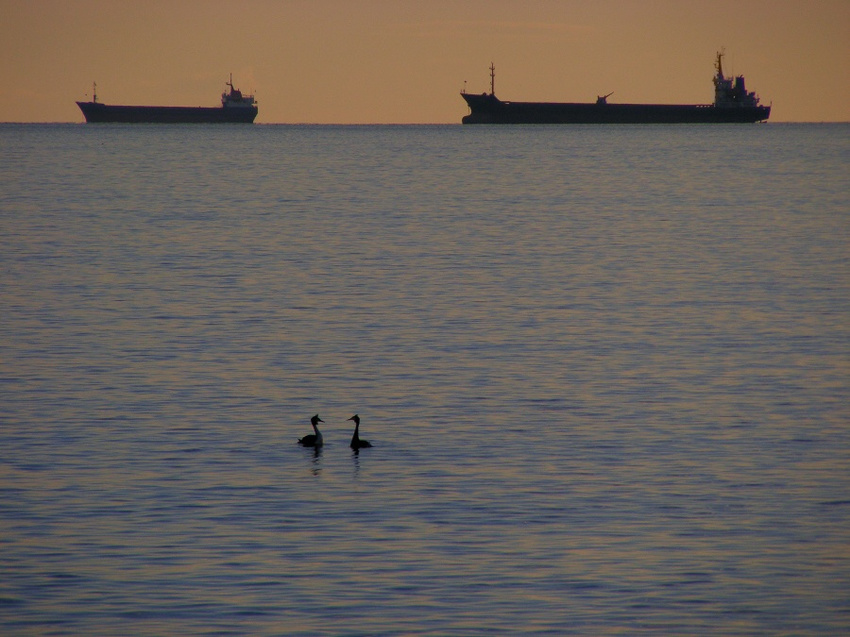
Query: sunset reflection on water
[[604, 373]]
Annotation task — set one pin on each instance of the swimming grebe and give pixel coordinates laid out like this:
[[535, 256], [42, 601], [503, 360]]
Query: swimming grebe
[[313, 440], [356, 443]]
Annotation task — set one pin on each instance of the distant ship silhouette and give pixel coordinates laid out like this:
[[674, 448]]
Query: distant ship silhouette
[[235, 108], [732, 104]]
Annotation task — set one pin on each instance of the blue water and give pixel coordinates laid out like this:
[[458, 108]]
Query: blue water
[[605, 371]]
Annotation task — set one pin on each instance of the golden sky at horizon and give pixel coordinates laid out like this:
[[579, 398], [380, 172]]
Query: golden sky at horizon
[[404, 61]]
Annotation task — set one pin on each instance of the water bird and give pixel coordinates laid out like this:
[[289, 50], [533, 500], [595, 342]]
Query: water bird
[[356, 443], [313, 440]]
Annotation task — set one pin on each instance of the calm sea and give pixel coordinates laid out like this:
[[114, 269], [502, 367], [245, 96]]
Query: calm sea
[[605, 371]]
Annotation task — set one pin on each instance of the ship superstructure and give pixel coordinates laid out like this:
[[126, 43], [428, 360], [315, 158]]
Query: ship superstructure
[[729, 93]]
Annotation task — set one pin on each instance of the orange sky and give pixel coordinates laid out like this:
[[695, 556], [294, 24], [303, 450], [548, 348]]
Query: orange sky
[[404, 61]]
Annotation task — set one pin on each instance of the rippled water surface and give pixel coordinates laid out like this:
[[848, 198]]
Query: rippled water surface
[[605, 371]]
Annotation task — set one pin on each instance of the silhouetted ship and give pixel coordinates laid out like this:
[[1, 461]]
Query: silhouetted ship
[[732, 104], [235, 109]]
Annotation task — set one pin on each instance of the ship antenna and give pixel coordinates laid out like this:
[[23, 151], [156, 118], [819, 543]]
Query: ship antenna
[[492, 79], [94, 92]]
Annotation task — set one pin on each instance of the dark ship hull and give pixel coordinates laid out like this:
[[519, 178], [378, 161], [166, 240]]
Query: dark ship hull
[[487, 109], [94, 112], [733, 103]]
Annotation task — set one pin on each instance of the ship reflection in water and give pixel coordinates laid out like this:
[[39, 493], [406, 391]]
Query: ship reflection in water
[[235, 108], [732, 104]]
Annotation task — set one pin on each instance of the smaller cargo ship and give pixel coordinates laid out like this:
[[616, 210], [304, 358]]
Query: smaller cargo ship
[[732, 104], [235, 108]]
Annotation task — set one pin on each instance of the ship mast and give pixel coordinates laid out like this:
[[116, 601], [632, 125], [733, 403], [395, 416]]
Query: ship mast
[[492, 79], [719, 63]]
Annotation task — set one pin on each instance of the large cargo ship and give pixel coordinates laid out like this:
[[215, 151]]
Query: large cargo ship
[[732, 104], [235, 108]]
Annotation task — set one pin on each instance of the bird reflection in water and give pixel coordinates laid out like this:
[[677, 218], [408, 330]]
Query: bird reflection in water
[[316, 467]]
